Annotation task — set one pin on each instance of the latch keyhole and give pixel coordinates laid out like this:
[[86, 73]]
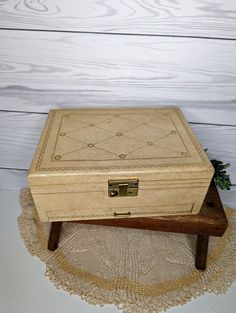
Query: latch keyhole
[[113, 193]]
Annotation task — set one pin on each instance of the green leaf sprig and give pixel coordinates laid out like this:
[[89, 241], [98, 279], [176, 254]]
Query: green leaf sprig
[[221, 178]]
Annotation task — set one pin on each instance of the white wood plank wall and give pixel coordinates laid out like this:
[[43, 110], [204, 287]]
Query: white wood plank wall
[[113, 53]]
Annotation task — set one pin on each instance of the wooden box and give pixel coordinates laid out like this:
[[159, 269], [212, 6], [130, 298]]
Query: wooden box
[[111, 163]]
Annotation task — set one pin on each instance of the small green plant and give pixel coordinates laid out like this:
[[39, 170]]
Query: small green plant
[[221, 178]]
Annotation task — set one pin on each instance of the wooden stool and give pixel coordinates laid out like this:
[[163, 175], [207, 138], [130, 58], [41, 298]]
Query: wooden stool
[[210, 221]]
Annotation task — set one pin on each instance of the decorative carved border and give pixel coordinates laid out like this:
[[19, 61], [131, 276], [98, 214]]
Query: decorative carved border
[[191, 135], [45, 140], [52, 217], [138, 166]]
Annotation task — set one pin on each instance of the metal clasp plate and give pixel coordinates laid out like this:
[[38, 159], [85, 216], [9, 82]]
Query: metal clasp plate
[[123, 188]]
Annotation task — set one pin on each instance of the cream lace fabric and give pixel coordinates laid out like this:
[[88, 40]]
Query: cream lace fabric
[[139, 271]]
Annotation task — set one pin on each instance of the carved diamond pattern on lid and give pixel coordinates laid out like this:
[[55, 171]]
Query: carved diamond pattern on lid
[[92, 119], [145, 133], [153, 151], [70, 124], [118, 124], [90, 134], [66, 145], [90, 153], [173, 143], [120, 145], [118, 136], [162, 122], [143, 118]]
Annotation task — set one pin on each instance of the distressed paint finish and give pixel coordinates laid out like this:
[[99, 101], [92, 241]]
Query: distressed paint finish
[[24, 99], [173, 18], [123, 69]]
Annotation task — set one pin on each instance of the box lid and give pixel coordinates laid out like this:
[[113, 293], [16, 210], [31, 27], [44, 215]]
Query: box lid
[[96, 142]]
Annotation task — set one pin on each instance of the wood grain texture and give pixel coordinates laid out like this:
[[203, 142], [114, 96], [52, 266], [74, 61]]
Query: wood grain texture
[[20, 132], [201, 252], [221, 144], [19, 138], [179, 18], [23, 99], [12, 179], [43, 70], [229, 197], [54, 236]]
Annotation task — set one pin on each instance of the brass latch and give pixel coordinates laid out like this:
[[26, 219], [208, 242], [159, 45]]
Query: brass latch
[[123, 188]]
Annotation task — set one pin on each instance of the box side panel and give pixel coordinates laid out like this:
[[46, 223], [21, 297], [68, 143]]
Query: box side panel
[[153, 199], [45, 132], [46, 180]]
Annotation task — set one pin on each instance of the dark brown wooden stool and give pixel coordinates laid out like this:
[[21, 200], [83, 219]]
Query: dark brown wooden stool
[[210, 221]]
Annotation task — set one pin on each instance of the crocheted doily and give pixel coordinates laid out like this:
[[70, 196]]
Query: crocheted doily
[[139, 271]]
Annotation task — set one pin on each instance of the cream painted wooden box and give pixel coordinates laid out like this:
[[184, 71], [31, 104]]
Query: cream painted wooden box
[[96, 164]]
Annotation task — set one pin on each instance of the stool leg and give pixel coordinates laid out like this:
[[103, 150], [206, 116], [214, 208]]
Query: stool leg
[[201, 253], [54, 236]]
